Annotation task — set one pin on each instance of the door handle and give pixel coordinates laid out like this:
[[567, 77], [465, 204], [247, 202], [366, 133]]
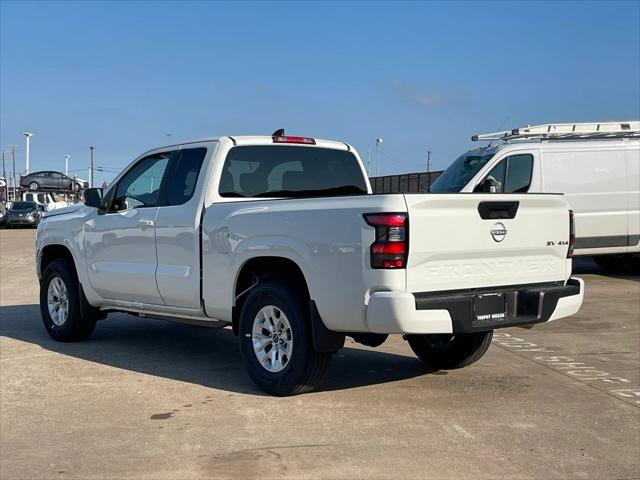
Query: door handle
[[144, 224]]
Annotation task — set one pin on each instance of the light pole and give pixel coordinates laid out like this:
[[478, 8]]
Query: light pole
[[28, 135], [66, 164], [429, 161], [13, 159], [6, 180], [378, 142], [91, 168]]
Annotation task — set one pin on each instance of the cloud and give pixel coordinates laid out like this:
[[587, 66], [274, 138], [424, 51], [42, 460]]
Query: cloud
[[431, 98]]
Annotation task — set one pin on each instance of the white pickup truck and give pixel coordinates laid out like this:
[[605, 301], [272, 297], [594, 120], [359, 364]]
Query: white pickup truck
[[280, 238]]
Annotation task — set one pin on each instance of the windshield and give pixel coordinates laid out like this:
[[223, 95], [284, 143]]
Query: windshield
[[23, 206], [454, 178], [290, 171]]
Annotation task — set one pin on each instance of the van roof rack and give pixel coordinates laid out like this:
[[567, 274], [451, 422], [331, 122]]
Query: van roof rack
[[567, 131]]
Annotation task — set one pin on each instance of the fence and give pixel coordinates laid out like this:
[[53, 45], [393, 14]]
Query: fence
[[406, 183]]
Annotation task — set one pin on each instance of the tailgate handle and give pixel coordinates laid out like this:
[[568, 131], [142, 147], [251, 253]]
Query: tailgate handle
[[497, 210]]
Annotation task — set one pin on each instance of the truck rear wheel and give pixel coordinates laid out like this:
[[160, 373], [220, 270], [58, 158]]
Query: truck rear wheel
[[60, 304], [276, 341], [447, 351]]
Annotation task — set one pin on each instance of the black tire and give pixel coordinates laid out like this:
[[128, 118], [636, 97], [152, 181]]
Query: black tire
[[447, 352], [306, 368], [34, 186], [80, 321]]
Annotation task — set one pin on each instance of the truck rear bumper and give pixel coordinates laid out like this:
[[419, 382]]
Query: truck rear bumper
[[425, 313]]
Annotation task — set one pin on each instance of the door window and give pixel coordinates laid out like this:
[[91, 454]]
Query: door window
[[511, 175], [141, 186], [185, 176]]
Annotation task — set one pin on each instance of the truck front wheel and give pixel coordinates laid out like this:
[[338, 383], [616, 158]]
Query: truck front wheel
[[276, 341], [447, 351], [60, 303]]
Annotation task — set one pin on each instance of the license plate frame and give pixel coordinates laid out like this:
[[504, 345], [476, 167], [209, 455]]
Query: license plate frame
[[489, 308]]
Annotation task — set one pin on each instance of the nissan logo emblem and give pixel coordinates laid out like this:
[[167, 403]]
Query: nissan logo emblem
[[498, 232]]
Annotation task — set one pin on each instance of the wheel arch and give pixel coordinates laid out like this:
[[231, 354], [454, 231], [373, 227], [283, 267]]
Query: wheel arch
[[52, 252], [56, 251], [257, 269]]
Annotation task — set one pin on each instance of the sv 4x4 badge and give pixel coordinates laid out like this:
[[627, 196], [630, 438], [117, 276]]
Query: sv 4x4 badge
[[553, 243]]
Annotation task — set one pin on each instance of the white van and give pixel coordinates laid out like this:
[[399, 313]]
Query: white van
[[596, 165]]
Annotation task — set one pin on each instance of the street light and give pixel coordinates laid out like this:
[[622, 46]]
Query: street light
[[66, 164], [28, 135], [378, 142], [6, 180], [91, 168]]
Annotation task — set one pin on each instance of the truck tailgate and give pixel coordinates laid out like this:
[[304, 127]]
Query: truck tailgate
[[522, 239]]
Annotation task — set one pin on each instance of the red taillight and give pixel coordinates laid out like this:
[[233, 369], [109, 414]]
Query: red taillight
[[391, 246], [572, 234], [303, 140]]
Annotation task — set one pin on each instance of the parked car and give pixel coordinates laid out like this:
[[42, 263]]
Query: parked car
[[49, 180], [281, 238], [3, 214], [82, 183], [596, 167], [45, 200], [23, 214]]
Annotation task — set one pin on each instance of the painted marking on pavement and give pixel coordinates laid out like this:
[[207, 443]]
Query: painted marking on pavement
[[573, 368]]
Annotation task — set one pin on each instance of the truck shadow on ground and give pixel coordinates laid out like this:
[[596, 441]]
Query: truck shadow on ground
[[585, 265], [199, 355]]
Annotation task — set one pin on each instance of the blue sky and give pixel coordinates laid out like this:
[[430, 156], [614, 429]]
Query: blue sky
[[121, 75]]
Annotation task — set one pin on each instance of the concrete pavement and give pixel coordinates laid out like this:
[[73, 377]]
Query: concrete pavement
[[154, 400]]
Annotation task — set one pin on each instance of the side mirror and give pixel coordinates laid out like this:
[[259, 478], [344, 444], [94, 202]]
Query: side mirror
[[489, 185], [93, 197]]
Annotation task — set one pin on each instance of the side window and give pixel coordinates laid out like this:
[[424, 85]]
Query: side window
[[185, 175], [511, 175], [56, 175], [519, 170], [494, 180], [140, 186]]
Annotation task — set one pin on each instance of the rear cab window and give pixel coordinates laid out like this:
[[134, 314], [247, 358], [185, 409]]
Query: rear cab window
[[184, 175], [287, 171]]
